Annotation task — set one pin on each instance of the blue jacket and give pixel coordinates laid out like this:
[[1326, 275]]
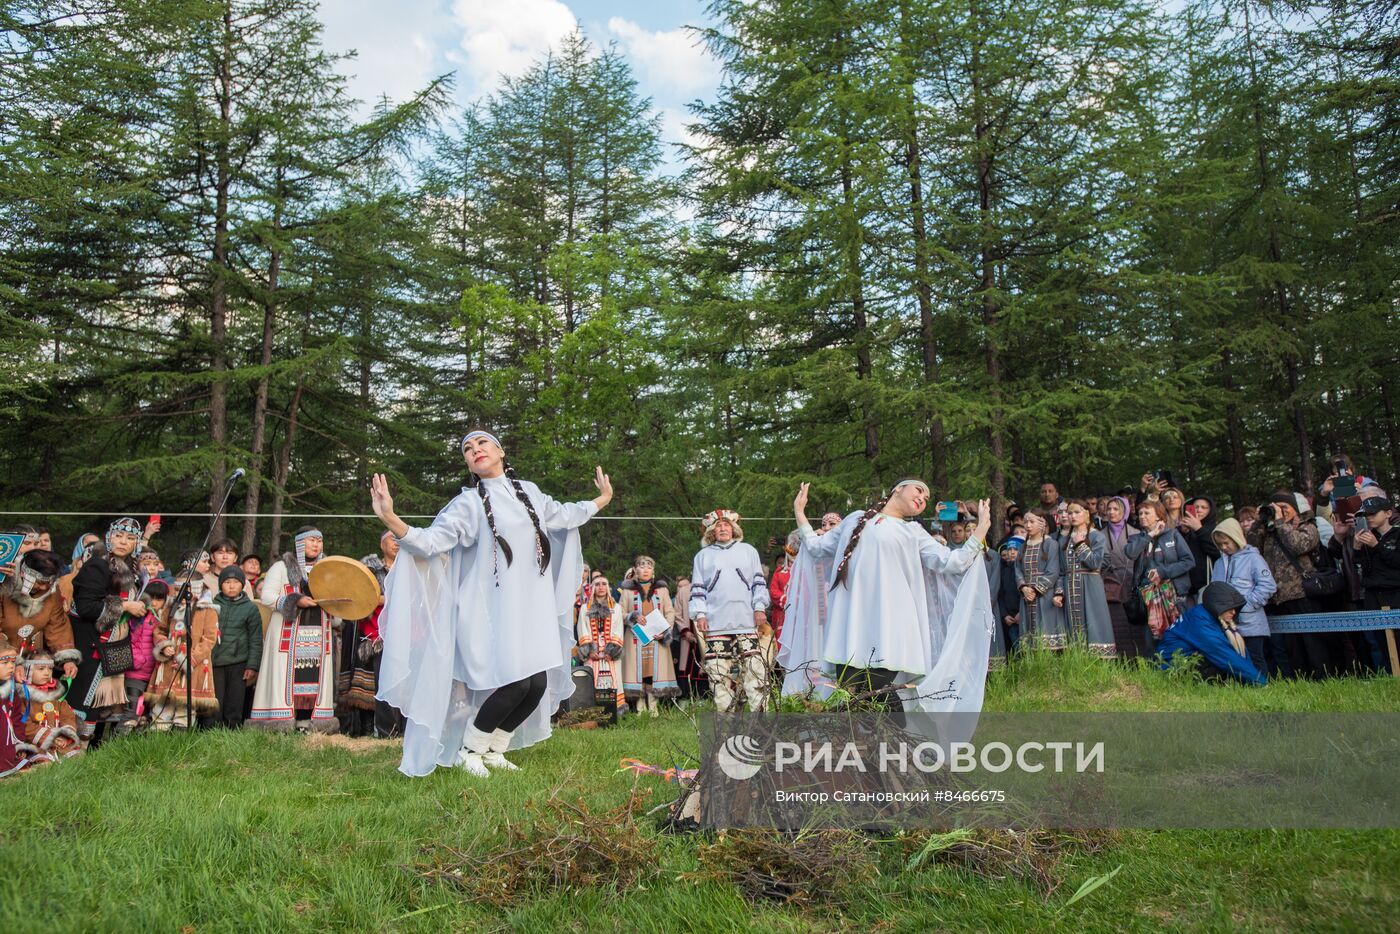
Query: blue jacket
[[1197, 632], [1248, 572]]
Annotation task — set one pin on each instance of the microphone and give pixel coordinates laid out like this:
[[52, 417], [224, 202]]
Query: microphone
[[236, 474]]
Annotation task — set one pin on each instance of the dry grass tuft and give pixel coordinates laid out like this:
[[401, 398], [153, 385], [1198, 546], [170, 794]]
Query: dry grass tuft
[[561, 845]]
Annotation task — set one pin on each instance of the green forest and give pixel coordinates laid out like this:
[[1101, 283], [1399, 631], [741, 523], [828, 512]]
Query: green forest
[[985, 243]]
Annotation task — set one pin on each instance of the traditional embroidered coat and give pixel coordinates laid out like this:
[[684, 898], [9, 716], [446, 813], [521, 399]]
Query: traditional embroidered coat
[[53, 633], [15, 751], [1040, 565], [50, 726], [361, 649], [297, 640], [165, 692], [687, 645], [1086, 608], [598, 628], [647, 669]]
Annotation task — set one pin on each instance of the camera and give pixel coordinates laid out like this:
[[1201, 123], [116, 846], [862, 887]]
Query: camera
[[1268, 515]]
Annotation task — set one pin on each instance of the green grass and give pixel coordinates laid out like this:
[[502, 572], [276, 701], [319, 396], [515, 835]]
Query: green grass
[[248, 831]]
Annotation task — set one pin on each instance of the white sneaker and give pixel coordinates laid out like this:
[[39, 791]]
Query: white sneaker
[[494, 757], [472, 763], [471, 757]]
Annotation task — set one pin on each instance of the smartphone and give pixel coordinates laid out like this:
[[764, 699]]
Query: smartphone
[[154, 520], [947, 512], [1165, 475], [1361, 524], [1189, 509]]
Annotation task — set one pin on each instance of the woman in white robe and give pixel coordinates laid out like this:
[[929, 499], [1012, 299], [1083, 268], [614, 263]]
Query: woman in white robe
[[478, 623], [898, 607]]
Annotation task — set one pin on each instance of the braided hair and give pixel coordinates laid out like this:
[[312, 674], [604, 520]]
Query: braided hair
[[840, 577], [855, 539], [502, 547], [542, 550]]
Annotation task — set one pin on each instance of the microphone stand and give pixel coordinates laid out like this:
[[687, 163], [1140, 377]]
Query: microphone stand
[[186, 596]]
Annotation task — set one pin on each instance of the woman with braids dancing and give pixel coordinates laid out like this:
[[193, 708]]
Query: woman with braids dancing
[[892, 606], [477, 622]]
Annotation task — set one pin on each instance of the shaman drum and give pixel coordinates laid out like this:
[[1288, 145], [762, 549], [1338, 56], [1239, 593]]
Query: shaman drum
[[344, 587]]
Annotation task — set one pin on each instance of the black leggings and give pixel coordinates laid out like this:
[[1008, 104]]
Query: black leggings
[[860, 680], [510, 704]]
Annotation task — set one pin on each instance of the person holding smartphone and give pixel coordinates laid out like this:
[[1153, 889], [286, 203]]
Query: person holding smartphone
[[1378, 553]]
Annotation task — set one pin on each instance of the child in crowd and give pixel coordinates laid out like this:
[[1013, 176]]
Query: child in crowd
[[50, 725], [238, 653], [1008, 602], [14, 751], [143, 650], [252, 573], [177, 675]]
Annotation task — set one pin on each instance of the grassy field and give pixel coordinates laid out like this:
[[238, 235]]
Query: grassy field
[[245, 831]]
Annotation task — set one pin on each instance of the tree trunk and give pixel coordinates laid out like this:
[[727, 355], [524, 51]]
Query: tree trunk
[[1238, 466], [991, 310], [255, 469], [1392, 430], [923, 290], [859, 317], [1292, 363], [282, 472], [218, 311]]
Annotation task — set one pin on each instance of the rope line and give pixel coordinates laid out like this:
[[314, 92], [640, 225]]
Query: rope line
[[325, 515]]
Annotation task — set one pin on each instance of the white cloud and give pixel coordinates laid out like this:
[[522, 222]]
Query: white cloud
[[670, 61], [506, 37], [395, 45]]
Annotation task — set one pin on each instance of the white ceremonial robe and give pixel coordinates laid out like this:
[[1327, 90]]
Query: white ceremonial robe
[[273, 706], [459, 622], [909, 603], [727, 587]]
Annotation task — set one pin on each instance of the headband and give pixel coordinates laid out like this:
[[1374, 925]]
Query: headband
[[645, 562], [482, 434], [903, 483], [125, 524], [309, 533]]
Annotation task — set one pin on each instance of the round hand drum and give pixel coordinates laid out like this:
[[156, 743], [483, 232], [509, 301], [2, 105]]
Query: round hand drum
[[344, 587]]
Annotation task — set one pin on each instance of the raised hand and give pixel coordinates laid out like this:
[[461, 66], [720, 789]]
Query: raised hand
[[799, 504], [605, 489], [383, 505], [984, 520], [382, 502]]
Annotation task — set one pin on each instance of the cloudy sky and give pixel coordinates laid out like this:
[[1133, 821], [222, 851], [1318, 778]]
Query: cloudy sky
[[403, 44]]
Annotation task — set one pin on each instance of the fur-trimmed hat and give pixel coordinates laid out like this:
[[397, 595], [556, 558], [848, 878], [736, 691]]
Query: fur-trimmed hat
[[712, 518]]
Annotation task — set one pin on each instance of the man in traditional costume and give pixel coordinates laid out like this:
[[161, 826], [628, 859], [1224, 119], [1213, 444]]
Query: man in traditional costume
[[106, 596], [50, 726], [31, 599], [729, 602], [478, 622], [893, 607], [648, 671], [183, 644], [600, 629], [296, 680]]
